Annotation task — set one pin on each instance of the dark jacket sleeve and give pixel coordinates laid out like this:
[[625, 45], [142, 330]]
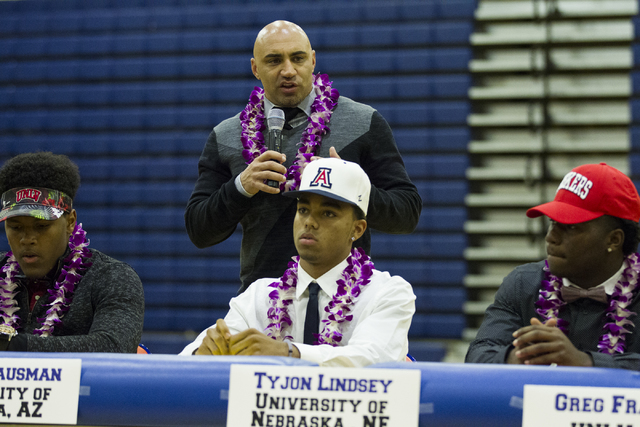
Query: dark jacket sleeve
[[622, 361], [216, 206], [106, 315], [514, 306], [394, 204]]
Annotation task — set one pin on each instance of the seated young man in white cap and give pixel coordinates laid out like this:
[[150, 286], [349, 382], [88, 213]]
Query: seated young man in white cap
[[331, 306], [578, 307], [57, 294]]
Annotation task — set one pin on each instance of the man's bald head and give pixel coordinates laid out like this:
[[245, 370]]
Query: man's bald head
[[280, 29], [284, 62]]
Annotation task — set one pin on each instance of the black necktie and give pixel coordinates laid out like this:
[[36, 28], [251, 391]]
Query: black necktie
[[312, 319], [289, 114]]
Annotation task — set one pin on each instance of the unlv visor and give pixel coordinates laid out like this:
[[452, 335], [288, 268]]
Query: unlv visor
[[41, 203]]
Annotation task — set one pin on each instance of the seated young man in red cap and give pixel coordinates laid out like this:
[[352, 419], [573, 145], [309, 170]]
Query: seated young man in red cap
[[56, 293], [577, 308], [331, 306]]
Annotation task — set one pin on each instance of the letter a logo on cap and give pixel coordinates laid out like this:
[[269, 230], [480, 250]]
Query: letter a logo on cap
[[322, 178]]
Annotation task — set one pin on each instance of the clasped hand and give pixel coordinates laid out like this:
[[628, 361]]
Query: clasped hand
[[544, 344], [250, 342]]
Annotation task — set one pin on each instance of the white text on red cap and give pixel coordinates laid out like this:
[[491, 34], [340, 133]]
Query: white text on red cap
[[577, 184]]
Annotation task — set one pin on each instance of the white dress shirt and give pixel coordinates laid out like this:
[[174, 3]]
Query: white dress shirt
[[378, 332], [609, 284]]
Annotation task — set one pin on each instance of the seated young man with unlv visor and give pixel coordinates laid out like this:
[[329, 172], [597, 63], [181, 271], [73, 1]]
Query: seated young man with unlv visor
[[331, 306], [56, 293]]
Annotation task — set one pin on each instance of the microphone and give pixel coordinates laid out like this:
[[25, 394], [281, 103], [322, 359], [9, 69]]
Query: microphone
[[275, 122]]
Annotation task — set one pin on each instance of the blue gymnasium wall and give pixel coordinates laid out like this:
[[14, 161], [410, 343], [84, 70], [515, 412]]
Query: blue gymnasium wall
[[130, 89], [634, 131]]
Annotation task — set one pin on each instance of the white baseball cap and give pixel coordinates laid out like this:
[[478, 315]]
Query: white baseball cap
[[337, 179]]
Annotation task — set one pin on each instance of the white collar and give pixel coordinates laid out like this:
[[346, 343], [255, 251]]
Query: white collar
[[327, 281], [304, 105], [609, 284]]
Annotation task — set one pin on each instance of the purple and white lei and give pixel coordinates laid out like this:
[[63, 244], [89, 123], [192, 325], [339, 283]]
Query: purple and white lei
[[355, 276], [613, 340], [252, 120], [61, 295]]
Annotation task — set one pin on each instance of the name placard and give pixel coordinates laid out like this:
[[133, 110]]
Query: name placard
[[571, 406], [39, 391], [285, 396]]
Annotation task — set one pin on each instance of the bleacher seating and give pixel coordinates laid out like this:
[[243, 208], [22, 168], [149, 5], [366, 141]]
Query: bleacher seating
[[110, 143], [199, 92], [203, 41], [419, 60], [554, 87], [153, 218], [130, 90], [160, 244], [134, 194], [447, 192], [94, 15], [419, 246]]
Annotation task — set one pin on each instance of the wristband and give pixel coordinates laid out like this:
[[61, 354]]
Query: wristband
[[7, 332]]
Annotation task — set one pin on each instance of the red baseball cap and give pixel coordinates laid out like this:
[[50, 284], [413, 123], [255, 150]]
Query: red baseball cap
[[589, 192]]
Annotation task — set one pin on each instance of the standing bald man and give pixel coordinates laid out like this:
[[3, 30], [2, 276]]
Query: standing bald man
[[235, 163]]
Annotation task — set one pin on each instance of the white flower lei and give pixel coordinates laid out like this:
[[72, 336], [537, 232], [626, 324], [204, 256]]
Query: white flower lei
[[613, 340], [355, 276], [61, 297], [252, 119]]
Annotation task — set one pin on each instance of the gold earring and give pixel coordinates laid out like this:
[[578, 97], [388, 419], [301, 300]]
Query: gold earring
[[609, 250]]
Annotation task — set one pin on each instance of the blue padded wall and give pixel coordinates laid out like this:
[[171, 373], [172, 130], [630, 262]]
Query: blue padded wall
[[131, 89], [634, 106]]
